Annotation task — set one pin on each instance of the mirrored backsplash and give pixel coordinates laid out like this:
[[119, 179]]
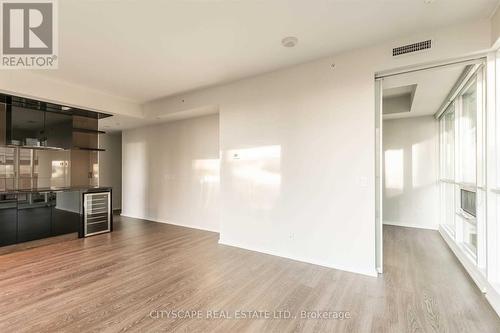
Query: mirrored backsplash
[[24, 169]]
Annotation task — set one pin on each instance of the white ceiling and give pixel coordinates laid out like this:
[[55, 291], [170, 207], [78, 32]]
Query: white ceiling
[[121, 122], [433, 86], [146, 49]]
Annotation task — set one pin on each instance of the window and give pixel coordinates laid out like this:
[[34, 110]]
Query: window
[[447, 124], [447, 185], [459, 128], [494, 186], [467, 134], [468, 160], [448, 207]]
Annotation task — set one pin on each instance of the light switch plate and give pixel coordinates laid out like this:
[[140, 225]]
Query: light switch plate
[[362, 181]]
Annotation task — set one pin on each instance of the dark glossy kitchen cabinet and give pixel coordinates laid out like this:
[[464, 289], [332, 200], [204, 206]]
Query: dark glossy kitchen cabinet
[[58, 130], [24, 126], [45, 214], [8, 219], [27, 216], [49, 158], [34, 123], [66, 216], [34, 214], [27, 127]]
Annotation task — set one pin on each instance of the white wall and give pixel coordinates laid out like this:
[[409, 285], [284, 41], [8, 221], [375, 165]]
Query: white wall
[[411, 171], [495, 27], [110, 165], [298, 152], [171, 173]]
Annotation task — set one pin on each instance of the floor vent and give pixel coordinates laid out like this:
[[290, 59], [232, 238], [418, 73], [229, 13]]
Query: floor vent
[[410, 48]]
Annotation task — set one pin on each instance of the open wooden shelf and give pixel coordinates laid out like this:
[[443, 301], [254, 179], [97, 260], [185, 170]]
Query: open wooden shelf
[[86, 130], [88, 148]]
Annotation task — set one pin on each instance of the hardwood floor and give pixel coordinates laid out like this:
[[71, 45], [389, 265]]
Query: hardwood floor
[[119, 282]]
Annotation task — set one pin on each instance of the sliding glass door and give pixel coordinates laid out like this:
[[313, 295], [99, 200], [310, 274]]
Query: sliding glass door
[[493, 182]]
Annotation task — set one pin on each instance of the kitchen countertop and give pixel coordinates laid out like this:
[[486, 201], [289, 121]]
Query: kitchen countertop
[[56, 189]]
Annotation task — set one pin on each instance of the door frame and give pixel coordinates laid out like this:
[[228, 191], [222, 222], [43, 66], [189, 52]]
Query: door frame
[[379, 157], [379, 183]]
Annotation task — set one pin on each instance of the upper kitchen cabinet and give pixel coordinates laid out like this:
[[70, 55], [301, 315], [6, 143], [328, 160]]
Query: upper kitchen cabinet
[[31, 123], [8, 167], [34, 128], [58, 130], [25, 127]]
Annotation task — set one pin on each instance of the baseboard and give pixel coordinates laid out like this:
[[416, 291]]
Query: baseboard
[[491, 295], [409, 225], [372, 273], [171, 223]]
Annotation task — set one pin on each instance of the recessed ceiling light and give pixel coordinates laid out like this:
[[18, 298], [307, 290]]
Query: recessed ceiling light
[[65, 108], [289, 41], [429, 1]]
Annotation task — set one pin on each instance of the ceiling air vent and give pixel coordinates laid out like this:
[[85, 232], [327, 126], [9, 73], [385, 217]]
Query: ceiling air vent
[[410, 48]]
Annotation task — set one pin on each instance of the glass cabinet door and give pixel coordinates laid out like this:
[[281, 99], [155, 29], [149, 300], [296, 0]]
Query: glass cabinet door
[[7, 169], [28, 169]]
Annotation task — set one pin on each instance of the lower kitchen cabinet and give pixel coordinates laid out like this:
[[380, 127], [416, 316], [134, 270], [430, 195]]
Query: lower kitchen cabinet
[[8, 219], [66, 216], [28, 216], [34, 215]]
